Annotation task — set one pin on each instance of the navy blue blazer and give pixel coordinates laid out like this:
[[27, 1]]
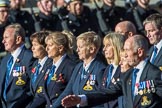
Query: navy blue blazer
[[46, 95], [47, 65], [79, 86], [116, 77], [158, 59], [18, 89], [40, 79], [144, 98]]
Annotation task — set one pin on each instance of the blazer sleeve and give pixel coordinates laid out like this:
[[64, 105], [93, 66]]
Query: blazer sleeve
[[105, 94]]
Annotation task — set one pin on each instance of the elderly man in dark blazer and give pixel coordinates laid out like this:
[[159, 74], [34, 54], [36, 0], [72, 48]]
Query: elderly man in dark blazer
[[14, 69], [141, 86], [153, 28]]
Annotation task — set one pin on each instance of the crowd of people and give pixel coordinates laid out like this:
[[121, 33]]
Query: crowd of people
[[106, 57]]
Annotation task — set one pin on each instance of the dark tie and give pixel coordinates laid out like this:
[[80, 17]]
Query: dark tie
[[154, 55], [51, 73], [135, 71], [36, 73], [9, 65], [109, 75]]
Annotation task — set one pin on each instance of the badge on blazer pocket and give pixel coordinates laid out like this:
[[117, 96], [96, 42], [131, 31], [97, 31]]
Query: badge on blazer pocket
[[61, 78], [88, 87], [54, 78], [145, 101], [20, 81], [40, 89]]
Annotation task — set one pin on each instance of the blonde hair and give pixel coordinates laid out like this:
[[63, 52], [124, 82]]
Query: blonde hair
[[117, 41], [90, 38], [60, 39], [71, 38]]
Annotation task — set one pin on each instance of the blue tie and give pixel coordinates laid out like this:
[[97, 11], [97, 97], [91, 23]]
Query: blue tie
[[135, 71], [154, 54], [83, 73], [36, 73], [51, 74], [109, 75], [9, 65]]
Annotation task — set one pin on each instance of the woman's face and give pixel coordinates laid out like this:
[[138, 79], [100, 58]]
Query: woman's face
[[37, 49], [82, 50], [52, 49], [108, 50], [123, 63]]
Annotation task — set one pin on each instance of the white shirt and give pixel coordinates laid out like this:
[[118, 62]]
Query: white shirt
[[57, 64], [114, 70], [42, 62], [87, 66]]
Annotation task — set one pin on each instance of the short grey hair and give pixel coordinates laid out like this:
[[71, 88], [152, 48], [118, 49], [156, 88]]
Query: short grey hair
[[140, 42], [19, 30]]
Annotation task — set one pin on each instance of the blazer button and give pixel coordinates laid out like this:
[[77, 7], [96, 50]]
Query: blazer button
[[50, 106]]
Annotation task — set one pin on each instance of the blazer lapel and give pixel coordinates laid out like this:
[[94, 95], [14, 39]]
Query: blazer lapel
[[17, 64], [42, 73], [59, 70], [127, 87], [89, 72], [150, 52], [129, 90], [78, 80], [159, 56], [3, 74], [143, 77]]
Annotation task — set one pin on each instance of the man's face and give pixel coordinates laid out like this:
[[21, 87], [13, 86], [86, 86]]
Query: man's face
[[3, 14], [144, 2], [131, 55], [153, 33], [109, 2], [15, 4], [9, 39], [122, 30], [76, 8], [45, 6]]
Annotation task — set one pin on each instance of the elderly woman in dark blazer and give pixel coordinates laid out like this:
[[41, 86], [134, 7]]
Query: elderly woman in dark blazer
[[41, 65], [84, 78], [58, 75]]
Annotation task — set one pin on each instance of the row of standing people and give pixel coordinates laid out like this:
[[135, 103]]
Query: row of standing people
[[26, 82], [74, 16]]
